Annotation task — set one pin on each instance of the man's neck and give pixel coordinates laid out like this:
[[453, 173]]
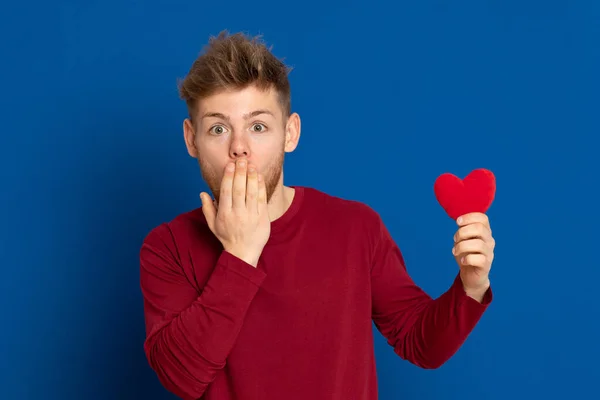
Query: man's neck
[[280, 201]]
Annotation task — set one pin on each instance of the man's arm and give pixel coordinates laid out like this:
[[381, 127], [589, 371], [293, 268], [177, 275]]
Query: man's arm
[[424, 331], [190, 335]]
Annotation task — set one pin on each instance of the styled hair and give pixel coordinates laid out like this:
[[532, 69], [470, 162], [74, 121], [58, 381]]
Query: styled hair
[[234, 62]]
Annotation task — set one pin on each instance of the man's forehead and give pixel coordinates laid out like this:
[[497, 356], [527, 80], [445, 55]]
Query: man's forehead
[[240, 103]]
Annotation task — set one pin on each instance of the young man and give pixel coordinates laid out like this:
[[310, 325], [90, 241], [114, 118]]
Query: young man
[[269, 291]]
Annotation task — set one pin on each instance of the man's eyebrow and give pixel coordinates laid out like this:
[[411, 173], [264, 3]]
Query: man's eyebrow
[[257, 112], [226, 118], [215, 115]]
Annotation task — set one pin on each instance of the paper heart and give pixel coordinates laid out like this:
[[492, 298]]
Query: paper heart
[[475, 193]]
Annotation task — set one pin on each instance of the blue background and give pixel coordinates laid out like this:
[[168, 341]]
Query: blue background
[[391, 96]]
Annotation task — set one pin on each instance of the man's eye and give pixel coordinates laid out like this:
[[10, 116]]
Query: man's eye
[[258, 127], [218, 130]]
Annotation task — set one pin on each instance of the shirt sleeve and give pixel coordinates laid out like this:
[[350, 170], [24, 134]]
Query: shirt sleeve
[[190, 334], [424, 331]]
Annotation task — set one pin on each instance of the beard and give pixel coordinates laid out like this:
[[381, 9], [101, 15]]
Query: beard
[[271, 174]]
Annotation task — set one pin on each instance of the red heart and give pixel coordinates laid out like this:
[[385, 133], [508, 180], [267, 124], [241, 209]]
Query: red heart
[[473, 194]]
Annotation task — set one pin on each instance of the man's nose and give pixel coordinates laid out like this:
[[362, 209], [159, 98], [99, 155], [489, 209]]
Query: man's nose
[[239, 148], [239, 154]]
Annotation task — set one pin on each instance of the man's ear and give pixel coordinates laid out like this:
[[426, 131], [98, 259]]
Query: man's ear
[[189, 135], [292, 133]]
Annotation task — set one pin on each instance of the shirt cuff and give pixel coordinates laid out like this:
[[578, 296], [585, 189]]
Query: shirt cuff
[[241, 267]]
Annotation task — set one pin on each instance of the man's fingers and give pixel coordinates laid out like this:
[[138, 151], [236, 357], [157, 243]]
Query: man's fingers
[[470, 246], [239, 185], [209, 210], [262, 194], [225, 192], [472, 218], [252, 189], [472, 231], [475, 260]]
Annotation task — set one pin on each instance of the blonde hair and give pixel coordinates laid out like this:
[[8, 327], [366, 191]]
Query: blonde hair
[[235, 62]]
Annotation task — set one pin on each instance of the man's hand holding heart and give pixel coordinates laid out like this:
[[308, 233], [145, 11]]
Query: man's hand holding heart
[[474, 252], [466, 201]]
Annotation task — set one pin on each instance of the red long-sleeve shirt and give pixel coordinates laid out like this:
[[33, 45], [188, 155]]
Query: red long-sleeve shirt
[[299, 326]]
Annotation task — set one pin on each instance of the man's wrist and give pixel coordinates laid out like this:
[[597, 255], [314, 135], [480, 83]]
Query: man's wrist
[[478, 293], [246, 256]]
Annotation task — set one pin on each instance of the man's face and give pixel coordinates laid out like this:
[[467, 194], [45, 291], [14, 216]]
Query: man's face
[[247, 123]]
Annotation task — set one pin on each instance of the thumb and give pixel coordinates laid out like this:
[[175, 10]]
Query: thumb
[[208, 209]]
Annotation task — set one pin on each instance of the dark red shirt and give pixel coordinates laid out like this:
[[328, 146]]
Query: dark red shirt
[[300, 325]]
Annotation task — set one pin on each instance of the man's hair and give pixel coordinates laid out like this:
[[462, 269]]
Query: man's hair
[[234, 62]]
